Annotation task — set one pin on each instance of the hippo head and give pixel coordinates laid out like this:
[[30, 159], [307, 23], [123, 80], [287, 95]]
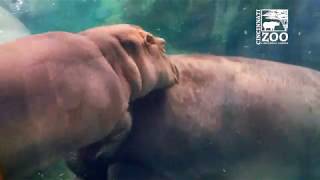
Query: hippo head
[[136, 55]]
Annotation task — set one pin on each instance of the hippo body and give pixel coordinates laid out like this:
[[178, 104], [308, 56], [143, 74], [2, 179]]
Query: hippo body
[[229, 118], [61, 91]]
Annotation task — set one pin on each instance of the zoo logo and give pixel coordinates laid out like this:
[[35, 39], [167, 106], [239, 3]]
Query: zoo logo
[[272, 26]]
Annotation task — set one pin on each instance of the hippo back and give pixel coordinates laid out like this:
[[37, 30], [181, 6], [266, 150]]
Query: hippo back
[[229, 118]]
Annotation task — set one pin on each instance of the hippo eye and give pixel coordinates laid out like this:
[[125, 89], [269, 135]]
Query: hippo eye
[[129, 46], [150, 39]]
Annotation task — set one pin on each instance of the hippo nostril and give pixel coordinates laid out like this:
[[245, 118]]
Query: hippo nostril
[[161, 41]]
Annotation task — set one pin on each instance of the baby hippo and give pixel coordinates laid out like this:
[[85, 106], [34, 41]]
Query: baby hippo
[[62, 91]]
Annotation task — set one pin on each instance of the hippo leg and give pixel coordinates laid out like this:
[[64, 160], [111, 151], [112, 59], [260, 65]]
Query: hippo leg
[[89, 163]]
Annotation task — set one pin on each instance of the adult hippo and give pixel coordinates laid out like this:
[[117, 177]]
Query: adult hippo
[[61, 91], [229, 118]]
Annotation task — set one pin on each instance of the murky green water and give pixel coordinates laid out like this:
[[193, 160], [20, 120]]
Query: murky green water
[[207, 26], [226, 27]]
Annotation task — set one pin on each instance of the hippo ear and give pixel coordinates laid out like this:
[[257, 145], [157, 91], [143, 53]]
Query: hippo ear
[[149, 39]]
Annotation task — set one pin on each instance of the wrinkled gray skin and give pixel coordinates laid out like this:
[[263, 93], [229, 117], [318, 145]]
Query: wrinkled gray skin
[[61, 91], [229, 118]]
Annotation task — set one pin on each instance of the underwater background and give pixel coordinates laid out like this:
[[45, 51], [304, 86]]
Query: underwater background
[[223, 27]]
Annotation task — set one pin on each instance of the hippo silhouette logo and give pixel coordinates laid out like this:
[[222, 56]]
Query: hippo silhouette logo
[[272, 26]]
